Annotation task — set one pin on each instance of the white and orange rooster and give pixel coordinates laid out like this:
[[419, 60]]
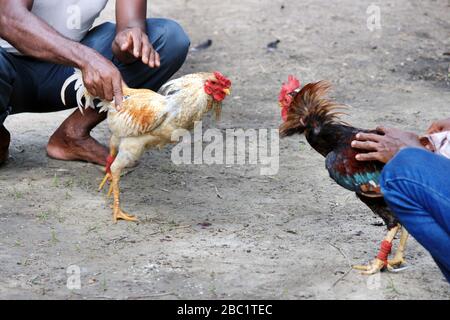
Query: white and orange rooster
[[147, 119]]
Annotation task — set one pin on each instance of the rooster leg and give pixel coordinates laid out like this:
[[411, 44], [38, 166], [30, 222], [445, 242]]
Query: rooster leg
[[131, 149], [399, 257], [118, 214], [380, 262], [113, 149]]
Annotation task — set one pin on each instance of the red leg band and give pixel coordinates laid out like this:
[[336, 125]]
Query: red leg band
[[384, 252], [109, 162]]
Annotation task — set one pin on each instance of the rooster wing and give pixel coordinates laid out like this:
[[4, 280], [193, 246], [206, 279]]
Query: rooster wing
[[142, 112], [360, 177]]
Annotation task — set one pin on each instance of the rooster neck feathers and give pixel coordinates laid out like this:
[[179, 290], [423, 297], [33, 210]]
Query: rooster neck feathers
[[313, 114], [187, 93]]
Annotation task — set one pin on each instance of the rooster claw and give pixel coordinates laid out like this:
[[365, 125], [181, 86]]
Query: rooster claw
[[120, 215], [374, 267], [377, 265]]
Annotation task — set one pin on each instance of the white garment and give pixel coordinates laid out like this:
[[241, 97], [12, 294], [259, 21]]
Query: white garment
[[439, 143], [71, 18]]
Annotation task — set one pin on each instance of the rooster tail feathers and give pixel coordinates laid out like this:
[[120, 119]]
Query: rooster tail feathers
[[82, 93], [310, 107]]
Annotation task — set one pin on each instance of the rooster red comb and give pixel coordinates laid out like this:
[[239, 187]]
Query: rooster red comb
[[225, 82], [289, 87], [285, 98]]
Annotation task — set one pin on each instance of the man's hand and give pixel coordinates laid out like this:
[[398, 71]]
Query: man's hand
[[132, 44], [385, 145], [102, 79], [439, 126]]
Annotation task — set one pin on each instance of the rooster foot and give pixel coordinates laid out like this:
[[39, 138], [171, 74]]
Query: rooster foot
[[120, 215], [377, 265], [374, 267]]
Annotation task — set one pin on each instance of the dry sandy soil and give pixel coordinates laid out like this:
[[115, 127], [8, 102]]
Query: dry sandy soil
[[289, 236]]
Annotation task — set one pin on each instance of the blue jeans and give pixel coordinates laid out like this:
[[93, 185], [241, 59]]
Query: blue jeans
[[416, 185], [30, 85]]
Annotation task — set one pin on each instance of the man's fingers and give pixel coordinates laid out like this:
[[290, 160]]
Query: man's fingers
[[365, 145], [434, 128], [117, 91], [94, 87], [137, 44], [89, 86], [157, 59], [371, 156], [146, 51], [383, 130], [108, 90], [151, 60], [368, 137], [153, 56], [128, 43]]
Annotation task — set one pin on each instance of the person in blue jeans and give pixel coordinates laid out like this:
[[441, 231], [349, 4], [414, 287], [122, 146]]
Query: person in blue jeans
[[41, 41], [415, 184]]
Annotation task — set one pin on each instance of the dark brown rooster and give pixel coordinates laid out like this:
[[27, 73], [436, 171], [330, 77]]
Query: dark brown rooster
[[308, 111]]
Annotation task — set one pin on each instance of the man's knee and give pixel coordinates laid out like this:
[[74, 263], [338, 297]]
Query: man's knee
[[405, 163], [100, 39], [174, 42], [411, 166]]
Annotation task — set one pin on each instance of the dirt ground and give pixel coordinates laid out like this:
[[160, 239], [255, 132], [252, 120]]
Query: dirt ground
[[289, 236]]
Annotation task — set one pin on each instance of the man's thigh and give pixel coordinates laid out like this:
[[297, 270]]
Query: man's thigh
[[421, 178], [37, 86], [17, 86]]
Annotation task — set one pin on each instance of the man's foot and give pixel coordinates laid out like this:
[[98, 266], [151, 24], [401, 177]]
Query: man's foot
[[5, 139], [72, 140], [64, 147]]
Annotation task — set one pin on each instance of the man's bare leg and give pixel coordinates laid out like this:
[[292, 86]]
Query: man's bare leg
[[72, 140], [5, 139]]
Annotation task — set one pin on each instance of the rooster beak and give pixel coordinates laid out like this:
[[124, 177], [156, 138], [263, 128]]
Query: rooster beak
[[227, 91]]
